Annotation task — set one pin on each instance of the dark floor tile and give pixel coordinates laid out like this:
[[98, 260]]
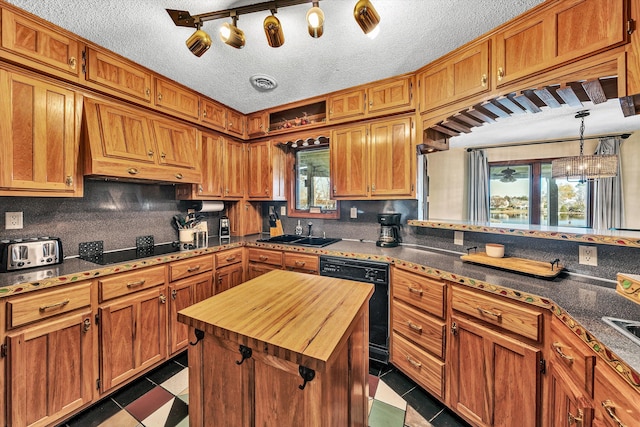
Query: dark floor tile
[[164, 372], [179, 411], [95, 415], [182, 359], [398, 381], [133, 391], [423, 403], [448, 419]]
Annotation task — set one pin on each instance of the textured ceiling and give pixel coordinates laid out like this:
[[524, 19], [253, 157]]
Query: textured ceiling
[[412, 34]]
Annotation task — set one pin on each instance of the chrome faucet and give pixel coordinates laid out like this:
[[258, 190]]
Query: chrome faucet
[[309, 224]]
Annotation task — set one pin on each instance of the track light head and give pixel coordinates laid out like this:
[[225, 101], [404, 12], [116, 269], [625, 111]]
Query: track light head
[[232, 35], [199, 42], [273, 31], [366, 16], [315, 21]]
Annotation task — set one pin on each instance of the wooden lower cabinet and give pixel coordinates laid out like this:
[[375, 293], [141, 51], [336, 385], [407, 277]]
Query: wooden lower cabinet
[[228, 277], [616, 403], [262, 261], [183, 293], [494, 380], [302, 263], [568, 404]]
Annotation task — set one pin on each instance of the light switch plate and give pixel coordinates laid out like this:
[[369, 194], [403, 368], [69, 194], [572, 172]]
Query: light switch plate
[[283, 210], [458, 238], [353, 213]]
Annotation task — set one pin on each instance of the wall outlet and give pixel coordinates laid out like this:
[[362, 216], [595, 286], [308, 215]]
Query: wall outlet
[[588, 255], [283, 210], [13, 221], [458, 238], [353, 213]]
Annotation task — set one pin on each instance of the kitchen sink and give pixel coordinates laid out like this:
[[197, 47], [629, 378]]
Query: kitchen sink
[[291, 239], [628, 328]]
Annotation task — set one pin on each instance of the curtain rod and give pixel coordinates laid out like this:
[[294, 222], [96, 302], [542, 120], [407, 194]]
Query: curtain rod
[[621, 135]]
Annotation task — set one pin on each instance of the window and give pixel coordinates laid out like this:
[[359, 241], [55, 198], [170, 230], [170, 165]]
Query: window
[[525, 193], [311, 185]]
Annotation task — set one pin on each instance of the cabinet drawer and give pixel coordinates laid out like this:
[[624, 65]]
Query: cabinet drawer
[[42, 305], [301, 262], [229, 257], [189, 267], [126, 283], [419, 327], [512, 317], [569, 351], [420, 291], [616, 402], [423, 368], [265, 256]]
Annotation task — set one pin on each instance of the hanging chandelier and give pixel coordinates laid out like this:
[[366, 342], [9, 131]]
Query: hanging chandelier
[[585, 168]]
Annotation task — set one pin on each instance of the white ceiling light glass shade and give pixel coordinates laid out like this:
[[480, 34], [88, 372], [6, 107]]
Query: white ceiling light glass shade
[[366, 16], [273, 31], [315, 21], [232, 35], [199, 42]]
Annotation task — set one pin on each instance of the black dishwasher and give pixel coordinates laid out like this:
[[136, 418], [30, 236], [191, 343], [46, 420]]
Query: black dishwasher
[[376, 273]]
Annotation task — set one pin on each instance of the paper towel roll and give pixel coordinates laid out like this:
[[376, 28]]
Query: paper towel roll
[[210, 206]]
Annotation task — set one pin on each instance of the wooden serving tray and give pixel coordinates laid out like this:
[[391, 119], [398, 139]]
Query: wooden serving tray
[[520, 265]]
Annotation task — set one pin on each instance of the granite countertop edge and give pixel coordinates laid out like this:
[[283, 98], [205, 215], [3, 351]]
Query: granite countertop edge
[[578, 302]]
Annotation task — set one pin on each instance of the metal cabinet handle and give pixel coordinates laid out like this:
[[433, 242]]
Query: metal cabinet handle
[[413, 326], [484, 80], [133, 171], [415, 363], [163, 299], [200, 188], [497, 315], [558, 348], [573, 419], [136, 284], [263, 258], [150, 153], [500, 74], [192, 269], [300, 263], [73, 62], [56, 305], [174, 294], [611, 411], [230, 258], [416, 291], [86, 325], [147, 91], [179, 176], [69, 181], [159, 97]]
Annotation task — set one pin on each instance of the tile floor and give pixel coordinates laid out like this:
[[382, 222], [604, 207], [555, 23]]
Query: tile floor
[[161, 398]]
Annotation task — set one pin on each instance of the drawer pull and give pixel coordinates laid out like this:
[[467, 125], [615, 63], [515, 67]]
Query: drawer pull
[[573, 419], [300, 263], [413, 326], [415, 363], [86, 325], [192, 269], [558, 348], [136, 284], [231, 258], [263, 257], [56, 305], [413, 290], [498, 315], [133, 171], [611, 411]]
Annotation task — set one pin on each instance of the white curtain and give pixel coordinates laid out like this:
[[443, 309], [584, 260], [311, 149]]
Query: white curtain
[[608, 206], [478, 186]]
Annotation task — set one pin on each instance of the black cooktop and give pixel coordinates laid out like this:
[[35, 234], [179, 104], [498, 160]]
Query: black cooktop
[[106, 258]]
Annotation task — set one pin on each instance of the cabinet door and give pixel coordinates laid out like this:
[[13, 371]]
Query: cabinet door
[[567, 403], [133, 336], [257, 124], [182, 295], [245, 217], [43, 48], [176, 99], [50, 370], [259, 170], [234, 169], [348, 151], [228, 277], [258, 269], [212, 167], [494, 379], [396, 95], [235, 123], [177, 145], [214, 115], [392, 159], [346, 104], [118, 75], [39, 145]]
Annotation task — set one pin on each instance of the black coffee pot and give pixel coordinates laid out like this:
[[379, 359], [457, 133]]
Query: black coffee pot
[[389, 230]]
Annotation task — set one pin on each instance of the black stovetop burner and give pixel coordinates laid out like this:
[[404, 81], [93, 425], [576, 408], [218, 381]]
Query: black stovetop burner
[[106, 258]]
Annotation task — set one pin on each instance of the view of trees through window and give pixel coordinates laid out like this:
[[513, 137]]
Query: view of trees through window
[[526, 194], [313, 189]]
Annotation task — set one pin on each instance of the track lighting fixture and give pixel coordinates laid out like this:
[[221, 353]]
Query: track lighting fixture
[[273, 30], [315, 21], [199, 42], [231, 34], [366, 16]]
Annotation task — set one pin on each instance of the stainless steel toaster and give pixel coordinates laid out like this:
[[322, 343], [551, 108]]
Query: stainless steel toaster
[[16, 254]]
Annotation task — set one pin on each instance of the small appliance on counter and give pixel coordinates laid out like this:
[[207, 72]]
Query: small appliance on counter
[[16, 254], [389, 230], [225, 227]]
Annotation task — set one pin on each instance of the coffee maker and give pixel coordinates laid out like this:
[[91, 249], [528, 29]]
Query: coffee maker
[[389, 230], [225, 228]]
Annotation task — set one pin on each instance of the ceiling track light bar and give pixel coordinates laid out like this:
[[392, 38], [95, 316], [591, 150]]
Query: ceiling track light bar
[[183, 18]]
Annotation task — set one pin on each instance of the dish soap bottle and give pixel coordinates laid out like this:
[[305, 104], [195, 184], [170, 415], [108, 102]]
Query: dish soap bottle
[[298, 229]]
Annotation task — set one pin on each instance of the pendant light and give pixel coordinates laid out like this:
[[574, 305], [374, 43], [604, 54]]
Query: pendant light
[[273, 30], [231, 34], [585, 168], [366, 16], [315, 21]]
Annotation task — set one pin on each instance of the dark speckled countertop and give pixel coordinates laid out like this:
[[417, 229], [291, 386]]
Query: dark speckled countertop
[[585, 300]]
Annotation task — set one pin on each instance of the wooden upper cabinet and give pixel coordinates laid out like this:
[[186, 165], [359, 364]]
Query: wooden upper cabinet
[[39, 46], [39, 152], [266, 171], [176, 99], [566, 31], [464, 74], [392, 158], [214, 115], [212, 166], [390, 95], [177, 144], [344, 105], [117, 75], [257, 124], [349, 162], [235, 123], [234, 168]]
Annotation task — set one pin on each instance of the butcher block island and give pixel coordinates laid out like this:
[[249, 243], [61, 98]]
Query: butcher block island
[[283, 349]]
